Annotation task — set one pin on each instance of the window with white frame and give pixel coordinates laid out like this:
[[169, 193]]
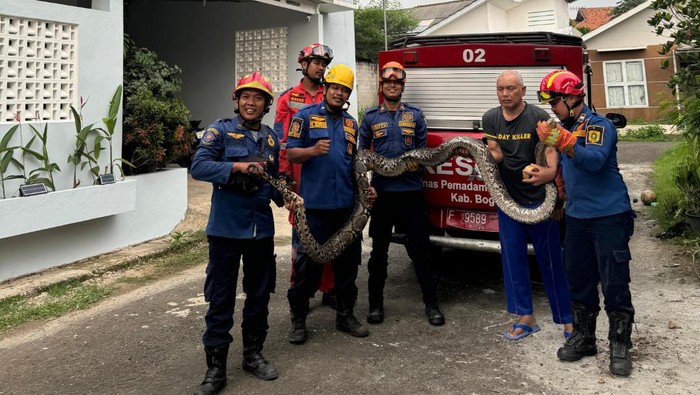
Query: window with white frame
[[625, 83], [38, 69], [263, 50]]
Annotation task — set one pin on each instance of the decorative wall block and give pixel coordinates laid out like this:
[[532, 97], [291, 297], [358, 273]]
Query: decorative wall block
[[264, 50], [38, 69]]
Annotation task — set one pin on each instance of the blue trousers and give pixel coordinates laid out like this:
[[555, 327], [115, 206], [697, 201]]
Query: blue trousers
[[544, 236], [597, 252], [306, 274], [259, 275]]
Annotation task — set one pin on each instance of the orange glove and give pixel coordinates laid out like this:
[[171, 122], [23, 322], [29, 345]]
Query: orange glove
[[556, 136]]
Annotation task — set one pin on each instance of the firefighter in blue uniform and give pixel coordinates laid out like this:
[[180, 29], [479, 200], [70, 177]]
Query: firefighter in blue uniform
[[323, 137], [599, 220], [240, 226], [392, 129]]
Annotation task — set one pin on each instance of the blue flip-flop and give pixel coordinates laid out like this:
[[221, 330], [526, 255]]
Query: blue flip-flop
[[527, 331]]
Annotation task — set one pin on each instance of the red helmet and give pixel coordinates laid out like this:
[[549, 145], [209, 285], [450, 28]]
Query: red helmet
[[559, 83], [392, 70], [254, 81], [316, 51]]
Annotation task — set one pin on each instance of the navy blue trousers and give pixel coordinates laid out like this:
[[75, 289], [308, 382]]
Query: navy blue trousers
[[597, 252], [407, 211], [306, 274], [259, 275]]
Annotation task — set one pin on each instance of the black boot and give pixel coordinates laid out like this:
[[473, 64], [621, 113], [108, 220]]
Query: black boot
[[298, 308], [376, 315], [215, 378], [345, 320], [435, 316], [253, 360], [620, 343], [581, 343]]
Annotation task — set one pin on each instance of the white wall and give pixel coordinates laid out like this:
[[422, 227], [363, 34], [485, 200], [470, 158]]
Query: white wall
[[161, 202], [200, 40], [632, 33], [99, 73]]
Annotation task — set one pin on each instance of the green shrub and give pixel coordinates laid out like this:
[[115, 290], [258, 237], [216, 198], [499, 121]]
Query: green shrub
[[647, 133], [155, 117]]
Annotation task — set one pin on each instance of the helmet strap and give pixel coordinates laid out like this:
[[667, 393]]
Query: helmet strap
[[572, 108]]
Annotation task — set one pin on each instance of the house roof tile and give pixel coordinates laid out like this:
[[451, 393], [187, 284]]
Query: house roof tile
[[594, 17]]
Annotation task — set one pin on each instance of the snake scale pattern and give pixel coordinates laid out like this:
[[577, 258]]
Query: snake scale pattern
[[366, 160]]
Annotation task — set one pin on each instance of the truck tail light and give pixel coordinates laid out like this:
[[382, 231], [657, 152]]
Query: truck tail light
[[410, 57], [542, 54]]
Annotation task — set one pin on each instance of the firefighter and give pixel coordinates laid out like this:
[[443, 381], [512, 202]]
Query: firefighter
[[240, 226], [391, 129], [599, 220], [510, 131], [323, 136], [313, 60]]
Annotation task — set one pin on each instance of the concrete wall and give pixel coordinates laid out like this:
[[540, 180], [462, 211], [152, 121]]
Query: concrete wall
[[200, 40], [367, 85], [99, 73], [160, 198], [161, 202]]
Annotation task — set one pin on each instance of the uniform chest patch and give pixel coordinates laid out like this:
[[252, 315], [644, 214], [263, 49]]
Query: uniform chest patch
[[295, 128], [379, 134], [407, 132], [594, 135], [380, 125], [407, 116], [236, 136], [318, 122], [407, 124], [296, 97]]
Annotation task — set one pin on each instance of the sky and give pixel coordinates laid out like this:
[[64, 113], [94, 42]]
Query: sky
[[572, 13]]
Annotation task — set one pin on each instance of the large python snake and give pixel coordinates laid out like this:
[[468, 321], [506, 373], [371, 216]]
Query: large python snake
[[366, 160]]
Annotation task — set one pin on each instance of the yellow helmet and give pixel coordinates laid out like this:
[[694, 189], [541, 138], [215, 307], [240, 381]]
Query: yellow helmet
[[341, 74]]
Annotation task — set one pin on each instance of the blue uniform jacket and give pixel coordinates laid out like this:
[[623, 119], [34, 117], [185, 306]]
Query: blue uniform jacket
[[235, 214], [327, 180], [391, 137], [594, 185]]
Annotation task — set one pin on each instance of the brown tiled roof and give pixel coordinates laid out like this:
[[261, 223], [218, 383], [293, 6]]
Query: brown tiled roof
[[432, 14], [593, 18]]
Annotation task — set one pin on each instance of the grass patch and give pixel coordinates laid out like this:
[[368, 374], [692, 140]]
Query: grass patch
[[186, 250], [57, 300], [668, 196]]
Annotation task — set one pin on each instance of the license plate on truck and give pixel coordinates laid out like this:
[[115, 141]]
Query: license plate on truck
[[472, 220]]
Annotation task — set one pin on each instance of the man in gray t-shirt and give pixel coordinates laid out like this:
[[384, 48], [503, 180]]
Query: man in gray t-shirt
[[511, 135]]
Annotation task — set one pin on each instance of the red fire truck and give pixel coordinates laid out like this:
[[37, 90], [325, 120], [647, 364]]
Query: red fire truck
[[453, 80]]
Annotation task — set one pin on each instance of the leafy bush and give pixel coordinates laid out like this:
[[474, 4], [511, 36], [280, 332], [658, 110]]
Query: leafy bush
[[155, 118], [647, 132]]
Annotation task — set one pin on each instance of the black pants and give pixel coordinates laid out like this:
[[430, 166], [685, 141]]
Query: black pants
[[222, 278], [406, 210], [306, 275]]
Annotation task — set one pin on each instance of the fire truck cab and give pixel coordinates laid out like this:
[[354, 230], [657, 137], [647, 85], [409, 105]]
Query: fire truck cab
[[453, 80]]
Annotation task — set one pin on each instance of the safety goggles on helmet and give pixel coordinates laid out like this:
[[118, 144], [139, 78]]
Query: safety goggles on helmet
[[548, 97], [393, 72], [316, 51]]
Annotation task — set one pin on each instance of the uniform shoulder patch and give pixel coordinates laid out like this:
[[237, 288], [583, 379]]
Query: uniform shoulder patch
[[295, 127], [594, 134], [209, 136]]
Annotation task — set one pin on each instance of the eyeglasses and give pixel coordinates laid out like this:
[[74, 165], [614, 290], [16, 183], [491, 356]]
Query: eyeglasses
[[396, 73]]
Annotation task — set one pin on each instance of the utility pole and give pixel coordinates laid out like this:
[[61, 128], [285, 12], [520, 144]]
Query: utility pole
[[386, 46]]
